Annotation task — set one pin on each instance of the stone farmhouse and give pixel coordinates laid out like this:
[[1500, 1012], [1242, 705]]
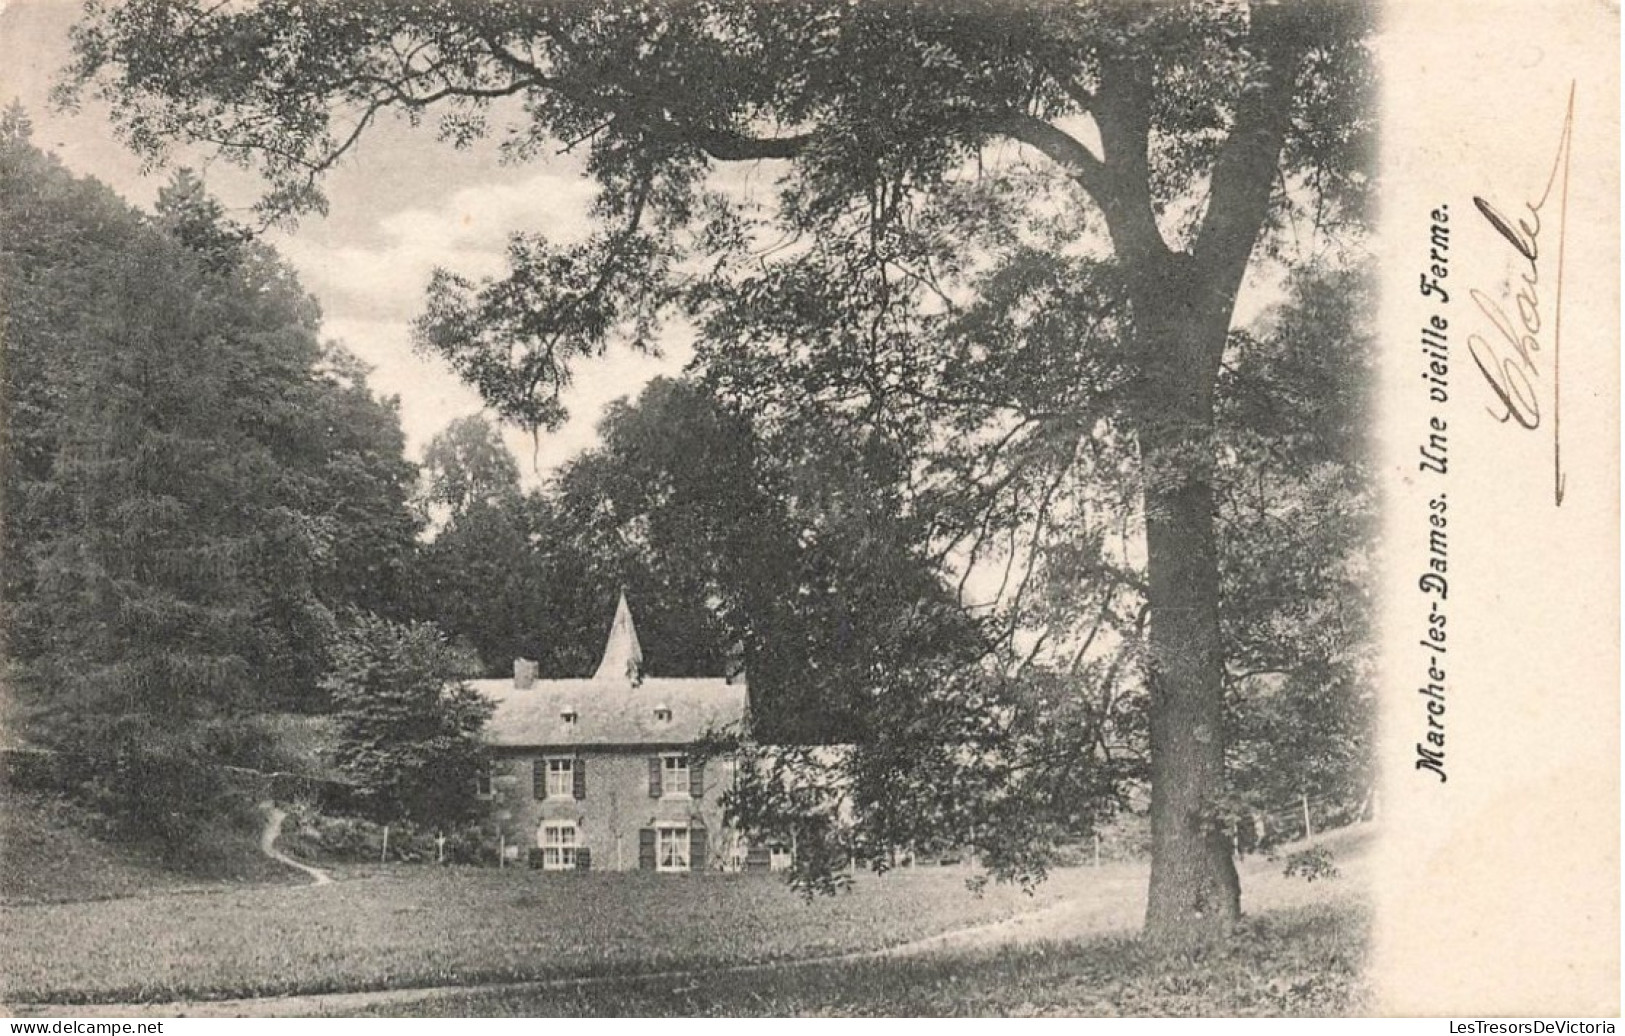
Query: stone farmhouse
[[595, 773]]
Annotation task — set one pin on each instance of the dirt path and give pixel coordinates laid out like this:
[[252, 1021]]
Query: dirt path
[[1058, 920], [268, 837]]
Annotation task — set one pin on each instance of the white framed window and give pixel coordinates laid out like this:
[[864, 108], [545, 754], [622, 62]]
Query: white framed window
[[484, 786], [558, 842], [674, 775], [671, 849], [568, 715], [662, 714], [560, 778]]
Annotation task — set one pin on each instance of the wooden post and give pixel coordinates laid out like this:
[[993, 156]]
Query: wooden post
[[1097, 848], [1308, 829], [383, 857], [502, 849], [440, 847]]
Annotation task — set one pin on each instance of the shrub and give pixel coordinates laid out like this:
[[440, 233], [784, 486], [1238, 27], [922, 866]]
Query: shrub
[[1309, 864], [408, 734]]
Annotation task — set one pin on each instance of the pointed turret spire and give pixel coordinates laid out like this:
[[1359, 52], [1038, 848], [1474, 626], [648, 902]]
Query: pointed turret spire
[[623, 656]]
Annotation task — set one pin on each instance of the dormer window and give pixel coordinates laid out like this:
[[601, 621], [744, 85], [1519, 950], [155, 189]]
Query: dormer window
[[662, 714], [568, 715]]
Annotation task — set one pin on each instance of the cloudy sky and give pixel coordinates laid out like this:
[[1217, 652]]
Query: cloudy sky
[[401, 206]]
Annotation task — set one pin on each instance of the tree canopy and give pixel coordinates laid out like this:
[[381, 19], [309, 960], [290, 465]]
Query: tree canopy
[[788, 557], [466, 464]]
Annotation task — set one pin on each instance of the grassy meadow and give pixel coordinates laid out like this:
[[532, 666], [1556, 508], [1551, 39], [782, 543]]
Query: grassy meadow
[[1067, 947], [48, 855], [414, 925], [1297, 961]]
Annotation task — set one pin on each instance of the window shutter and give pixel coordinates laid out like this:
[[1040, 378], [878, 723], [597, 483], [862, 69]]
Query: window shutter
[[654, 776], [697, 849], [583, 859], [696, 778], [578, 778], [538, 778], [646, 849]]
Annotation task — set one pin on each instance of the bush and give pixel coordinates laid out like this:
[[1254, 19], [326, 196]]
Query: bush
[[340, 839], [319, 836], [1309, 864], [408, 734], [164, 791]]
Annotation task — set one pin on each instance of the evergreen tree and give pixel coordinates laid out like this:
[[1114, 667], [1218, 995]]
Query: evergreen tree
[[409, 735], [183, 476]]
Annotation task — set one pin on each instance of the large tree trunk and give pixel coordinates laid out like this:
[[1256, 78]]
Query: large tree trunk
[[1194, 890]]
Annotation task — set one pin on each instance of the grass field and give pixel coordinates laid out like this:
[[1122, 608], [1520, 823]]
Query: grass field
[[412, 927], [1296, 961], [419, 926], [47, 855]]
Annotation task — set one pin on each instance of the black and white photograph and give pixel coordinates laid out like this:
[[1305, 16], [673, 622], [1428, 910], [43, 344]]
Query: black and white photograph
[[808, 508]]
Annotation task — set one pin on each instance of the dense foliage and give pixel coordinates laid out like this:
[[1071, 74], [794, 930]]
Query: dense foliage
[[790, 557], [194, 485], [408, 730], [1297, 507]]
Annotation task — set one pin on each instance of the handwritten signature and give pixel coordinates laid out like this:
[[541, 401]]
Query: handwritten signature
[[1508, 363]]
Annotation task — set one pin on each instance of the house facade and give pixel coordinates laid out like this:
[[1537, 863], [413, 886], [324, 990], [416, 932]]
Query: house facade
[[597, 774]]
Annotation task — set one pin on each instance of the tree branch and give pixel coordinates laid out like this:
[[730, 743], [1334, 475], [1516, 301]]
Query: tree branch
[[724, 145], [1131, 225], [730, 146], [1123, 113], [1244, 174]]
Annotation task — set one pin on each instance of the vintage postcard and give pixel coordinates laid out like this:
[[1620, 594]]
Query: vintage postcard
[[659, 508]]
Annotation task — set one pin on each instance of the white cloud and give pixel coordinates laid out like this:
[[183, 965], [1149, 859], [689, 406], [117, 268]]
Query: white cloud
[[467, 234], [371, 291]]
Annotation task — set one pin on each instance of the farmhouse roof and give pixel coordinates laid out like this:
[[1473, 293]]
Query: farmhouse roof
[[617, 705], [610, 713]]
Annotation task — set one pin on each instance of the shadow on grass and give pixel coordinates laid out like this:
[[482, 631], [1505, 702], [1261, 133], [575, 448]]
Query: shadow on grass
[[1299, 961]]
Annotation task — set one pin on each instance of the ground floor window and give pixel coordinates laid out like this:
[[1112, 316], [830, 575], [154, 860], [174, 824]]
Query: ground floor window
[[558, 842], [671, 849]]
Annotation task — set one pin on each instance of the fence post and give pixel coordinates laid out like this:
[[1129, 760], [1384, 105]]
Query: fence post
[[383, 857], [1308, 830]]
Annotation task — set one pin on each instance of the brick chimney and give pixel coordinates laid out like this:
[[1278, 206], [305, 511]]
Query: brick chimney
[[524, 674]]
